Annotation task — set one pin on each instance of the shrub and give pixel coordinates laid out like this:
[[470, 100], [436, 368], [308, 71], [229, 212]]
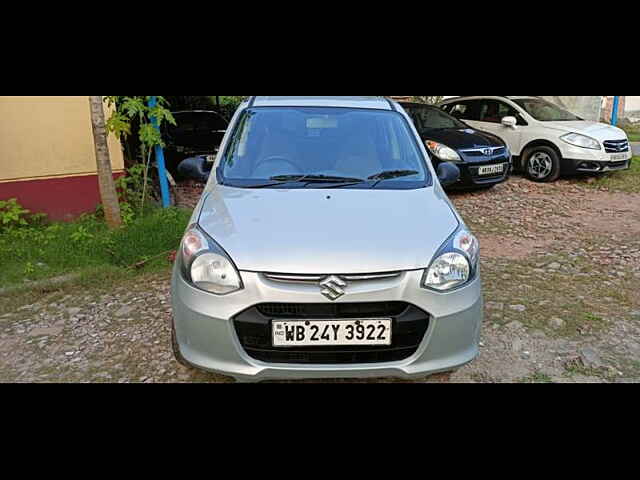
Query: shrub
[[12, 214]]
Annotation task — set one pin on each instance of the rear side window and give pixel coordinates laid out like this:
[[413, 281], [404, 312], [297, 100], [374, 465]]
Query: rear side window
[[493, 111], [467, 110]]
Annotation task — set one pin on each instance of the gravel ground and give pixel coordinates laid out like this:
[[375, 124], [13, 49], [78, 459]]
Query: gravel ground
[[560, 264]]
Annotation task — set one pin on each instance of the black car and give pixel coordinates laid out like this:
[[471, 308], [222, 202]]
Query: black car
[[197, 134], [483, 158]]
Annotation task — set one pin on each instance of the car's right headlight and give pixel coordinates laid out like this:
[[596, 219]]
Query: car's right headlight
[[206, 265], [582, 141], [456, 263], [443, 152]]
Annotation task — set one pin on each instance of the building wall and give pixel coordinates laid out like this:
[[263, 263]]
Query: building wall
[[47, 156], [633, 104], [607, 108]]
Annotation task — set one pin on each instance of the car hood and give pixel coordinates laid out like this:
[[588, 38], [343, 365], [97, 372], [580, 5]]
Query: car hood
[[599, 131], [341, 231], [462, 139]]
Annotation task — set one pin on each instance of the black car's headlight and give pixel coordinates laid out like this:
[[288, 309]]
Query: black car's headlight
[[206, 265], [443, 152], [455, 264]]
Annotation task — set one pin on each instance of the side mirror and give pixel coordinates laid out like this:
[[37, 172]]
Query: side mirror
[[448, 174], [510, 122]]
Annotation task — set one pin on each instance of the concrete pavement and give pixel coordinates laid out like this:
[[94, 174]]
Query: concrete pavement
[[635, 146]]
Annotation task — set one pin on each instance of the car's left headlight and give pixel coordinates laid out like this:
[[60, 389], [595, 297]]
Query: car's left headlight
[[582, 141], [206, 265], [443, 152], [456, 263]]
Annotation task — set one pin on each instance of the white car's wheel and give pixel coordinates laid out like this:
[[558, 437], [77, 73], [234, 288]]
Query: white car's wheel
[[542, 164]]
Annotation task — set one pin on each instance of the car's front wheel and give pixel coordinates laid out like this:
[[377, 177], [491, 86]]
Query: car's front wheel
[[542, 164]]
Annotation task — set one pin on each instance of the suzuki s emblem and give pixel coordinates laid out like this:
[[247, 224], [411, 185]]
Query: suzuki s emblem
[[488, 152], [333, 287]]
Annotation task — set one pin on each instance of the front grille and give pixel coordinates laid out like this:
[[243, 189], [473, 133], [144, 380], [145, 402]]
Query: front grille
[[254, 330], [332, 310], [303, 278], [500, 151], [474, 153], [616, 146], [480, 152]]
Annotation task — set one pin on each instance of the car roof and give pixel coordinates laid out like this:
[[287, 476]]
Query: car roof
[[416, 104], [456, 99], [377, 103]]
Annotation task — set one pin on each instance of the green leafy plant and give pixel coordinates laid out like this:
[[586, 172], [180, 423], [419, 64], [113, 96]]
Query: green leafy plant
[[81, 235], [229, 104], [126, 110], [425, 99], [137, 110], [29, 269], [12, 214]]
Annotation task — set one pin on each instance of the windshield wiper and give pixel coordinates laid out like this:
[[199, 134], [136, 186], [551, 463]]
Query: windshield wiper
[[391, 174], [280, 180], [267, 185], [316, 179], [388, 174], [308, 179]]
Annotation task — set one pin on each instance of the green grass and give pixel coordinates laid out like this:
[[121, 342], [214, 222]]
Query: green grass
[[35, 253], [625, 181], [634, 136], [576, 296]]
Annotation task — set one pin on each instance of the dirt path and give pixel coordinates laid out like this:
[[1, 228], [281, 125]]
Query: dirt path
[[561, 265]]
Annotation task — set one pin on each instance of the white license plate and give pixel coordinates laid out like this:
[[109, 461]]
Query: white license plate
[[307, 333], [211, 158], [491, 169], [619, 156]]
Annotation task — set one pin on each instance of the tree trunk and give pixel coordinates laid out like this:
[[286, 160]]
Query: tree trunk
[[108, 192]]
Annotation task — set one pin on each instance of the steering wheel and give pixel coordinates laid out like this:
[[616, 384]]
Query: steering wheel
[[281, 159]]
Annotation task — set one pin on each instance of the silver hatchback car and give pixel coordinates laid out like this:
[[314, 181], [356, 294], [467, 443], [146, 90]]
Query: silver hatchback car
[[324, 246]]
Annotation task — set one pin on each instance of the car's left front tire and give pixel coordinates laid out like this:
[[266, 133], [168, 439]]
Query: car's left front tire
[[541, 164]]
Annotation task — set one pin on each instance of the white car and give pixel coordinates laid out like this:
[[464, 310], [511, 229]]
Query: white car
[[545, 140]]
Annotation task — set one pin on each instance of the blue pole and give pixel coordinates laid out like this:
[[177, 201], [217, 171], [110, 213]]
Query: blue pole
[[614, 115], [162, 168]]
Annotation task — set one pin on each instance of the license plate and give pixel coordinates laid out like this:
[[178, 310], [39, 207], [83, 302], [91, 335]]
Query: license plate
[[308, 333], [211, 158], [620, 156], [491, 169]]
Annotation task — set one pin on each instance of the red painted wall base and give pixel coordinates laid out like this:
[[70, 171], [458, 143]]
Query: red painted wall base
[[60, 198]]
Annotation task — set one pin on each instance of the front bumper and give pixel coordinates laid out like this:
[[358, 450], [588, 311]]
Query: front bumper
[[570, 166], [583, 160], [208, 340], [470, 177]]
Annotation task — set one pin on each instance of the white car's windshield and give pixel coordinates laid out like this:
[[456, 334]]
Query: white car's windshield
[[544, 111], [295, 147]]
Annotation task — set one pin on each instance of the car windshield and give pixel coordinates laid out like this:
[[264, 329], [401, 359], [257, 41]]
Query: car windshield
[[544, 111], [295, 147], [431, 118]]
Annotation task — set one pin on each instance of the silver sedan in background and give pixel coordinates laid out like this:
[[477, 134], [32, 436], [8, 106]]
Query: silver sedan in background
[[324, 246]]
